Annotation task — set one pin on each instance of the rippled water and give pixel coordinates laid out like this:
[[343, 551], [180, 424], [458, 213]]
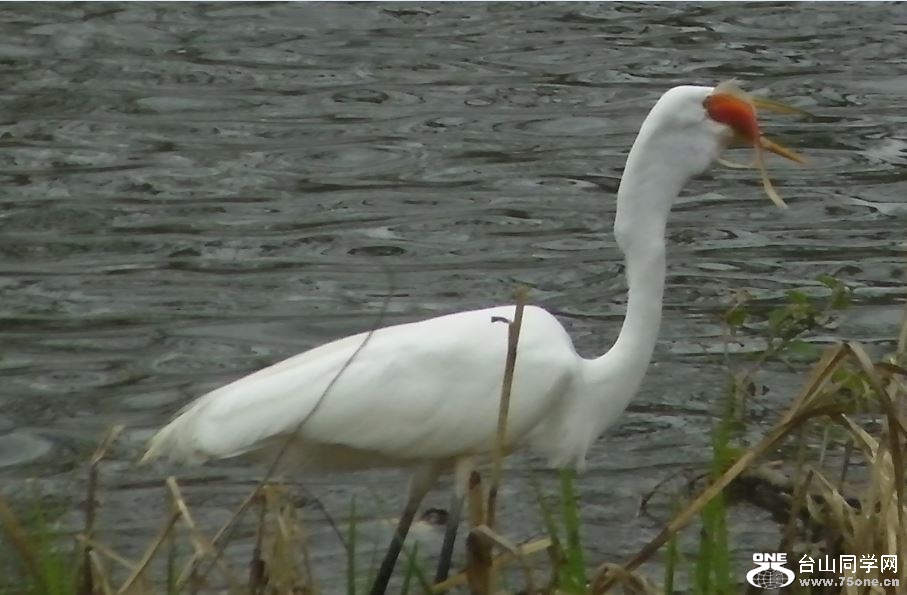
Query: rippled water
[[191, 192]]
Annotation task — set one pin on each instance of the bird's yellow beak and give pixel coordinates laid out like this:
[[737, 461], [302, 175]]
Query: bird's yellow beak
[[779, 149], [730, 105], [780, 108]]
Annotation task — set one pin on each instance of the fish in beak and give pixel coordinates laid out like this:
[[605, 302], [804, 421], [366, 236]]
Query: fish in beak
[[730, 105]]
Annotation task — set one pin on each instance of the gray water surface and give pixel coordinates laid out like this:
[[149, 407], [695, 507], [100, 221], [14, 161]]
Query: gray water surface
[[189, 192]]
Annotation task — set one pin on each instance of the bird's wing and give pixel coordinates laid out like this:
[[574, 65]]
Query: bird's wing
[[423, 390]]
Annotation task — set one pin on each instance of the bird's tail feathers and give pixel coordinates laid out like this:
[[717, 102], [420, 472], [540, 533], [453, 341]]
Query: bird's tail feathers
[[173, 442]]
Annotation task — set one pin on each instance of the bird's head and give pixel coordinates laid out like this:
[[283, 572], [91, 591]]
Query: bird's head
[[691, 126]]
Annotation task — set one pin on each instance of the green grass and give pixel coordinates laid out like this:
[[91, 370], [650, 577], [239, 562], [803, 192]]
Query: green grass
[[563, 524], [713, 575], [573, 575], [38, 561]]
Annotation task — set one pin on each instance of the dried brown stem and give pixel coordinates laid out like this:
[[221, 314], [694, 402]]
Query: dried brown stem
[[150, 552], [500, 444], [498, 562]]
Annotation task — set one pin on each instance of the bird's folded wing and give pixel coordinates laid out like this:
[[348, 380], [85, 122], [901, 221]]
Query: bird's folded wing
[[423, 390]]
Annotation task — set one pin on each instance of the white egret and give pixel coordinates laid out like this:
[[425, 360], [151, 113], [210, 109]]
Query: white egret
[[424, 395]]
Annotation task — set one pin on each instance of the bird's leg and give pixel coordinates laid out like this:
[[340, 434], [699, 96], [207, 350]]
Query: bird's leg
[[463, 469], [393, 550], [419, 485], [450, 535]]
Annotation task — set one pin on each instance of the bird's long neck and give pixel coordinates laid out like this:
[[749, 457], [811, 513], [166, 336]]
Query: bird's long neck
[[639, 332], [644, 200], [610, 381], [652, 180]]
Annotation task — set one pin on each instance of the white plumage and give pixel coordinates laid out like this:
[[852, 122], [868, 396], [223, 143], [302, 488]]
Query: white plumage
[[378, 412]]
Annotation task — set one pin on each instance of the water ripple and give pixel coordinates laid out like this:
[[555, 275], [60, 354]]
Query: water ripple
[[193, 192]]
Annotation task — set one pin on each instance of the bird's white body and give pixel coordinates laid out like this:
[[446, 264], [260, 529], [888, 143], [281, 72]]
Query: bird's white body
[[404, 395]]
